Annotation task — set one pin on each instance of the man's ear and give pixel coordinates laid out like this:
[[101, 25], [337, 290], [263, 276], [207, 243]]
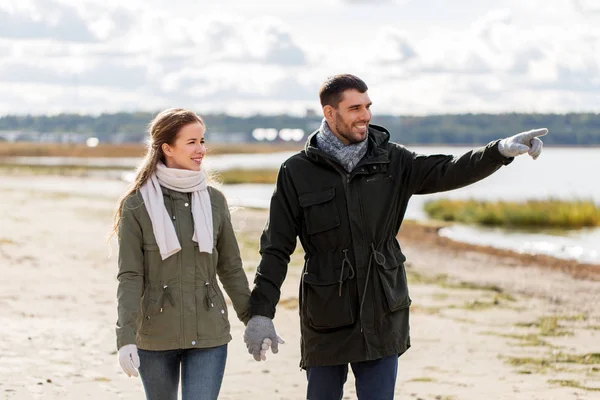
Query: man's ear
[[328, 112]]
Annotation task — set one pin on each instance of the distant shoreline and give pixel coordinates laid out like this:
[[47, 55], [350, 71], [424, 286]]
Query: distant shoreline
[[426, 234], [37, 149]]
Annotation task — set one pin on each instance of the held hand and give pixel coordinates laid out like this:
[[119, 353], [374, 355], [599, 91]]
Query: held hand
[[129, 359], [258, 330], [524, 142], [268, 344]]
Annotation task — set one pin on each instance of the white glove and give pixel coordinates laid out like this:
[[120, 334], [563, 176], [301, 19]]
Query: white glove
[[129, 359], [524, 142]]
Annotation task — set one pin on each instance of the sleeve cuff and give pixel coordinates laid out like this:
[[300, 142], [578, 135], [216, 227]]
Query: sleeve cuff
[[265, 311], [124, 339], [495, 154]]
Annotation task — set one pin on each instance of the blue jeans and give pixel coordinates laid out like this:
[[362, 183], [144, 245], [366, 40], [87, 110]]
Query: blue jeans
[[375, 380], [201, 373]]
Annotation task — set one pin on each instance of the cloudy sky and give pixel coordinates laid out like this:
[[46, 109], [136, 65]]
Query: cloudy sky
[[242, 57]]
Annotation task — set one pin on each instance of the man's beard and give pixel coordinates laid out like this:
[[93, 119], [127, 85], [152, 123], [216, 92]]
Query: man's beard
[[345, 131]]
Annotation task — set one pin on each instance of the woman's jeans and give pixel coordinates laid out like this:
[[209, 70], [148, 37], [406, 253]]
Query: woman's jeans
[[201, 373]]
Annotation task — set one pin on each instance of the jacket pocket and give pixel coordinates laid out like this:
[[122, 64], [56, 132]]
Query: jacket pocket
[[320, 211], [326, 301], [158, 314], [383, 178], [218, 300], [154, 266], [211, 313], [392, 276]]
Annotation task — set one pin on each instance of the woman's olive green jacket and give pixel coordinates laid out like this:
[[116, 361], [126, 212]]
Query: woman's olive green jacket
[[176, 303]]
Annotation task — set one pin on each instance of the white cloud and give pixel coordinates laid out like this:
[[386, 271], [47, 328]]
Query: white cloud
[[97, 55], [43, 19], [270, 41], [587, 6], [393, 46]]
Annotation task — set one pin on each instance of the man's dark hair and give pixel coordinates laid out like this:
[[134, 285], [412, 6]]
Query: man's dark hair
[[332, 89]]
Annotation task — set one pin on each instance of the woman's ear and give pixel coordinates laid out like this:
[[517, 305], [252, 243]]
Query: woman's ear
[[166, 149]]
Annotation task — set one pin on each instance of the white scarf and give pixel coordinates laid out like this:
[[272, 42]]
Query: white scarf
[[186, 181]]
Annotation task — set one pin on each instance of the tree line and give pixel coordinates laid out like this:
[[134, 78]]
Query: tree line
[[457, 129]]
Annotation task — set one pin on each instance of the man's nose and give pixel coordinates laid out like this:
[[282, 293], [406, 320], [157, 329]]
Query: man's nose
[[366, 115]]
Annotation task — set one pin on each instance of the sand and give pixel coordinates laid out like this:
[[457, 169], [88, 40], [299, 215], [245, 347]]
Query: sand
[[485, 324]]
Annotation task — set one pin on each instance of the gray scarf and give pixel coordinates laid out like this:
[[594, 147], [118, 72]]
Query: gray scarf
[[347, 155]]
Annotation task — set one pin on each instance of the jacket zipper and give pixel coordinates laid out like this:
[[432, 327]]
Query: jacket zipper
[[346, 182], [173, 209]]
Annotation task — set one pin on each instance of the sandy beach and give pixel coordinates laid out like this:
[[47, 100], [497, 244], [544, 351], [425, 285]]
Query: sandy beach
[[485, 324]]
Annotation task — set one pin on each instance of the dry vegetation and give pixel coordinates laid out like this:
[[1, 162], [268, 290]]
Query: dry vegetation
[[25, 149]]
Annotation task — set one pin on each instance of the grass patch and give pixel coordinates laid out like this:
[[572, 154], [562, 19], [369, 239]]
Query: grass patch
[[441, 296], [499, 298], [548, 326], [415, 277], [573, 384], [289, 303], [576, 317], [528, 340], [422, 379], [553, 361], [425, 310], [551, 213], [444, 281], [534, 364], [477, 305], [35, 149], [60, 170], [462, 320], [586, 359], [234, 176], [248, 243], [248, 250]]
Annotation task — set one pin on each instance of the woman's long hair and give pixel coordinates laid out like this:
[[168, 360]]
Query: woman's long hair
[[163, 129]]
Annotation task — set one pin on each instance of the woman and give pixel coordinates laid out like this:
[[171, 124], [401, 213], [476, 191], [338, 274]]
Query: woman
[[175, 236]]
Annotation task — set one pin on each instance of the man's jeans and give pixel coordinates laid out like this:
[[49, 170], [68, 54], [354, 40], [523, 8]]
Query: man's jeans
[[201, 373], [375, 380]]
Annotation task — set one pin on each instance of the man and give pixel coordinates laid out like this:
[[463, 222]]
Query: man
[[345, 196]]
